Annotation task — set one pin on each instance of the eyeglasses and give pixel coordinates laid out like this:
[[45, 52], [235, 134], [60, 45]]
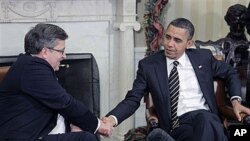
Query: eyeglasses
[[58, 50]]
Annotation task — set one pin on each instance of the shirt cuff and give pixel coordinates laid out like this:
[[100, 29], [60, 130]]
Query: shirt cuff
[[233, 97], [116, 121], [98, 125]]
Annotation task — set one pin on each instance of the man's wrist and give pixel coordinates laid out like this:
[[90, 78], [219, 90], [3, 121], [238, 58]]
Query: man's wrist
[[113, 120], [236, 99]]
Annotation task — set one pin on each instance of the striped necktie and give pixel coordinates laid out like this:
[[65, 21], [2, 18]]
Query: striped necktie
[[174, 94]]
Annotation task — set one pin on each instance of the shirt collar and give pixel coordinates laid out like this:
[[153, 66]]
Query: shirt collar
[[181, 60]]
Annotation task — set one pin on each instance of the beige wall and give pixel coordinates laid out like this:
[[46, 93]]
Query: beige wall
[[206, 15]]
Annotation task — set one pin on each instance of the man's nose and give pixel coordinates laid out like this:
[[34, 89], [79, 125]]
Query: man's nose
[[64, 55], [170, 43]]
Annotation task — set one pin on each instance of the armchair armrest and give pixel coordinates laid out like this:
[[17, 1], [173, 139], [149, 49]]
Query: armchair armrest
[[151, 116], [246, 120]]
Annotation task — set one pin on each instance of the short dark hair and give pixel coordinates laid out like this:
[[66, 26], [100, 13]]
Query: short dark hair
[[184, 23], [43, 35]]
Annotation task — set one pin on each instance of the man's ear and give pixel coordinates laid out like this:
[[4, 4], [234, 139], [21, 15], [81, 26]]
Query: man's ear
[[190, 43], [43, 53]]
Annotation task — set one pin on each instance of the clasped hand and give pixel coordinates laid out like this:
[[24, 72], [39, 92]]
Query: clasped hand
[[106, 127], [240, 110]]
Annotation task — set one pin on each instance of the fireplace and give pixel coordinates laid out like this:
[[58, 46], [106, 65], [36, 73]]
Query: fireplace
[[78, 74]]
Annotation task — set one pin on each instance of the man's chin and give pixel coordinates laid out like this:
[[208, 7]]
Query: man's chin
[[56, 68], [170, 56]]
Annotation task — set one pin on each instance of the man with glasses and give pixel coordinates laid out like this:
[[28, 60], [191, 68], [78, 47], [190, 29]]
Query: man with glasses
[[33, 105]]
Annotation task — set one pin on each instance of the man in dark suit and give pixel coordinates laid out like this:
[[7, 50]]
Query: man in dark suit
[[33, 105], [197, 114]]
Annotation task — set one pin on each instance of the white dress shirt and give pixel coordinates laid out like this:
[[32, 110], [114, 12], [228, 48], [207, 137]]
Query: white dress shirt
[[60, 126], [191, 97]]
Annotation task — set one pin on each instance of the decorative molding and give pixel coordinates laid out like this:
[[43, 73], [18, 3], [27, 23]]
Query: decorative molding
[[130, 7], [29, 9], [55, 10], [123, 25], [24, 10], [126, 16]]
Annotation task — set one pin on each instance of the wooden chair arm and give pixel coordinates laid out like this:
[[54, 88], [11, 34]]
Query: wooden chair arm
[[225, 110], [151, 116], [3, 71]]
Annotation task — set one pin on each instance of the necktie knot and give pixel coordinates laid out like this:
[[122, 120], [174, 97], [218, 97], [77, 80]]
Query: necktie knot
[[176, 63]]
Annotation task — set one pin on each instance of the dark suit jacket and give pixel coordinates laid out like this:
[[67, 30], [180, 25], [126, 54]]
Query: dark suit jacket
[[152, 77], [31, 98]]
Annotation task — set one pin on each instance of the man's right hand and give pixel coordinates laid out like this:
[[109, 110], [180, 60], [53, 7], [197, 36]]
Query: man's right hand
[[106, 127]]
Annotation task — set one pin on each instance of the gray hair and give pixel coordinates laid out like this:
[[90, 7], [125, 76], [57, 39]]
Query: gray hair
[[43, 35]]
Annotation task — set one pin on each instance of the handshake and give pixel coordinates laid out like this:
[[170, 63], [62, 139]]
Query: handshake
[[107, 126], [105, 129]]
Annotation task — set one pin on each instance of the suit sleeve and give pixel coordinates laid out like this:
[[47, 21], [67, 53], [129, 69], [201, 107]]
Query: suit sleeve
[[130, 104], [226, 72]]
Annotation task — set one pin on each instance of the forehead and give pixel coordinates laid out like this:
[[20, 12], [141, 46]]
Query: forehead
[[60, 43], [176, 32]]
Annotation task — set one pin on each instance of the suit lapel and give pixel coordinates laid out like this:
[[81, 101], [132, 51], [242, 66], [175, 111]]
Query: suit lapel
[[198, 69], [161, 73], [201, 74], [160, 68]]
